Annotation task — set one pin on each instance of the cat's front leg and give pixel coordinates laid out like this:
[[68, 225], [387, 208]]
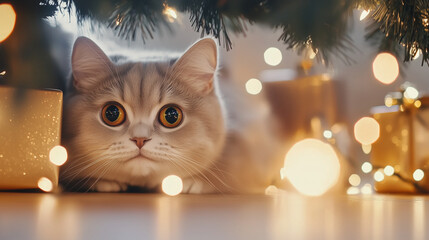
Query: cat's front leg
[[109, 186], [196, 186]]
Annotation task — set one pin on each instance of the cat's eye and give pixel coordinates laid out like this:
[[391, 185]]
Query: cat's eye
[[170, 116], [113, 114]]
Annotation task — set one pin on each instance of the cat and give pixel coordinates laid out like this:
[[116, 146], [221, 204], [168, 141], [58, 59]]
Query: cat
[[131, 124]]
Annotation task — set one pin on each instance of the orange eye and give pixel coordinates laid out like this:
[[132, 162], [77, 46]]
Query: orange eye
[[170, 116], [113, 114]]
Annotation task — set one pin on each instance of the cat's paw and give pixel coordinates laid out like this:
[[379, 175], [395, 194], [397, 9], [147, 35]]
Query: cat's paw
[[109, 186], [196, 186]]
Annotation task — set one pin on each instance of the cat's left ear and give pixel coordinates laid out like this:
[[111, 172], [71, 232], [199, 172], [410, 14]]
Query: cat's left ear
[[197, 66]]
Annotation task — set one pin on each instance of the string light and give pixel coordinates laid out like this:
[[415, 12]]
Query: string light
[[312, 167], [366, 148], [411, 93], [7, 21], [417, 103], [271, 190], [172, 185], [367, 130], [366, 167], [354, 180], [327, 134], [366, 189], [253, 86], [364, 14], [353, 191], [45, 184], [170, 12], [385, 68], [418, 175], [273, 56], [58, 155], [389, 170], [2, 73], [378, 176]]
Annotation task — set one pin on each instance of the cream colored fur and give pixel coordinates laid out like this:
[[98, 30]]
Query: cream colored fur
[[224, 144]]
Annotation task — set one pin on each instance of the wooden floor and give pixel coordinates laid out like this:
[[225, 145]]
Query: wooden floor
[[149, 216]]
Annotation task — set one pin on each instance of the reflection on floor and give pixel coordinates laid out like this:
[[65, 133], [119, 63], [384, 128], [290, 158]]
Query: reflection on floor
[[152, 216]]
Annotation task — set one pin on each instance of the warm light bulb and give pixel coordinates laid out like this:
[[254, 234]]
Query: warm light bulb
[[271, 190], [7, 21], [389, 170], [253, 86], [170, 12], [172, 185], [354, 180], [366, 189], [352, 191], [312, 167], [45, 184], [417, 103], [411, 93], [418, 175], [364, 14], [58, 155], [366, 167], [327, 134], [273, 56], [378, 176], [366, 148], [367, 130], [385, 68]]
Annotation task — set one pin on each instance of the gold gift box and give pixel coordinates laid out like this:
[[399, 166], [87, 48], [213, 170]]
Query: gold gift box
[[403, 144], [30, 125]]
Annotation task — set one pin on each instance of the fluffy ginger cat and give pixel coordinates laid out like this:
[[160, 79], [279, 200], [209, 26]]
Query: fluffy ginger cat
[[131, 124]]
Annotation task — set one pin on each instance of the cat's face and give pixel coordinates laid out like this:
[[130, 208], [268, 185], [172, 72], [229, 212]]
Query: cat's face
[[136, 123]]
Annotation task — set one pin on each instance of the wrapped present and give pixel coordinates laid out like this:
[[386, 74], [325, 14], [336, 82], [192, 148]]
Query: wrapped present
[[30, 125], [403, 142], [307, 105]]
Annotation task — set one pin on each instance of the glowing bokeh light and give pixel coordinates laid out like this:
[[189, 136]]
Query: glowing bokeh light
[[170, 12], [411, 93], [385, 68], [366, 148], [417, 103], [364, 14], [45, 184], [418, 53], [366, 167], [58, 155], [253, 86], [354, 180], [271, 190], [367, 130], [312, 167], [327, 134], [366, 189], [378, 176], [172, 185], [7, 21], [273, 56], [353, 191], [418, 175], [389, 170]]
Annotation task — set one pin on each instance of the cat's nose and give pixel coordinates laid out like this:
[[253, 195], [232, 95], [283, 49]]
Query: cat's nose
[[139, 141]]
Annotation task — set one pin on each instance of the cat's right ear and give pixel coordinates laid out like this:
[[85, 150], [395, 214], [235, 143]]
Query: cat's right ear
[[89, 63]]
